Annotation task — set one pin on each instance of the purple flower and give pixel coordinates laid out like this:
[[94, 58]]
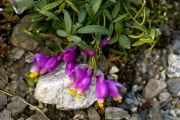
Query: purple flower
[[1, 9], [35, 71], [101, 90], [104, 41], [85, 83], [50, 65], [113, 90], [41, 59], [88, 52], [70, 54]]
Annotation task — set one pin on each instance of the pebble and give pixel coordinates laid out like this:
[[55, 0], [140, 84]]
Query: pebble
[[153, 88], [103, 64], [21, 39], [114, 113], [29, 58], [173, 70], [173, 86], [155, 110], [5, 115], [16, 106], [164, 96], [17, 53], [114, 69], [3, 99], [93, 114]]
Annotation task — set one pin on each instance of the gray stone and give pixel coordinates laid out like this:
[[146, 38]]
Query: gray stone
[[103, 64], [5, 115], [135, 117], [164, 96], [29, 58], [168, 117], [17, 53], [114, 113], [113, 69], [16, 106], [80, 115], [3, 76], [21, 118], [155, 110], [153, 88], [93, 114], [3, 99], [21, 39], [173, 70], [34, 117], [173, 86], [53, 89]]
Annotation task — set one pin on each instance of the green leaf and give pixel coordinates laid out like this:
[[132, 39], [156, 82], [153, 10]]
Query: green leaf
[[83, 45], [67, 21], [49, 14], [32, 82], [93, 29], [142, 41], [124, 41], [96, 5], [136, 36], [116, 9], [62, 33], [73, 6], [113, 40], [41, 3], [21, 4], [52, 5], [119, 28], [111, 28], [120, 17], [76, 39], [61, 8], [108, 15], [90, 12], [82, 15]]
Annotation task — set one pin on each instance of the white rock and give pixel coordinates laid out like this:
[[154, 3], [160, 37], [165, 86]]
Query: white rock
[[53, 89], [164, 96], [113, 69], [173, 70]]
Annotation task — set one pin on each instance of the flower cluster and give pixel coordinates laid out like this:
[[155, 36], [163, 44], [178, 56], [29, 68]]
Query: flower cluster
[[80, 76]]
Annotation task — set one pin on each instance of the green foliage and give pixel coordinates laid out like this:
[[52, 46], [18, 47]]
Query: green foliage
[[85, 22]]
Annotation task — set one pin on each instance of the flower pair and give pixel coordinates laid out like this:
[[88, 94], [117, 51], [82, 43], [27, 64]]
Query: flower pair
[[105, 88], [81, 78], [44, 63]]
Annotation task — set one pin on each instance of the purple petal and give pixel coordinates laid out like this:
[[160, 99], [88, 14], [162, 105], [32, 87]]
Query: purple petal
[[104, 41], [88, 52], [115, 83], [70, 54], [35, 69], [84, 84], [1, 9], [113, 90], [52, 64], [101, 90], [69, 68], [41, 59]]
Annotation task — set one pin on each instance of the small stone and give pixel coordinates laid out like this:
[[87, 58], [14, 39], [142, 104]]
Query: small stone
[[53, 88], [103, 64], [155, 110], [164, 96], [21, 39], [173, 86], [153, 88], [114, 113], [5, 115], [173, 70], [168, 117], [93, 114], [3, 77], [177, 111], [113, 69], [79, 115], [21, 84], [173, 113], [16, 106], [135, 117], [21, 118], [3, 99], [14, 76], [34, 117], [115, 77], [17, 53], [29, 58]]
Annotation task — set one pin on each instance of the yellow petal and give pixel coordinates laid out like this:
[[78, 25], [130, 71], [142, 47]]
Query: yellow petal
[[78, 95], [101, 105], [33, 74], [72, 91], [117, 99]]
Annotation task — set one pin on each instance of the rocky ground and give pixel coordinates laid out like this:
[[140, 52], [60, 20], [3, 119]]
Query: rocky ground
[[153, 91]]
